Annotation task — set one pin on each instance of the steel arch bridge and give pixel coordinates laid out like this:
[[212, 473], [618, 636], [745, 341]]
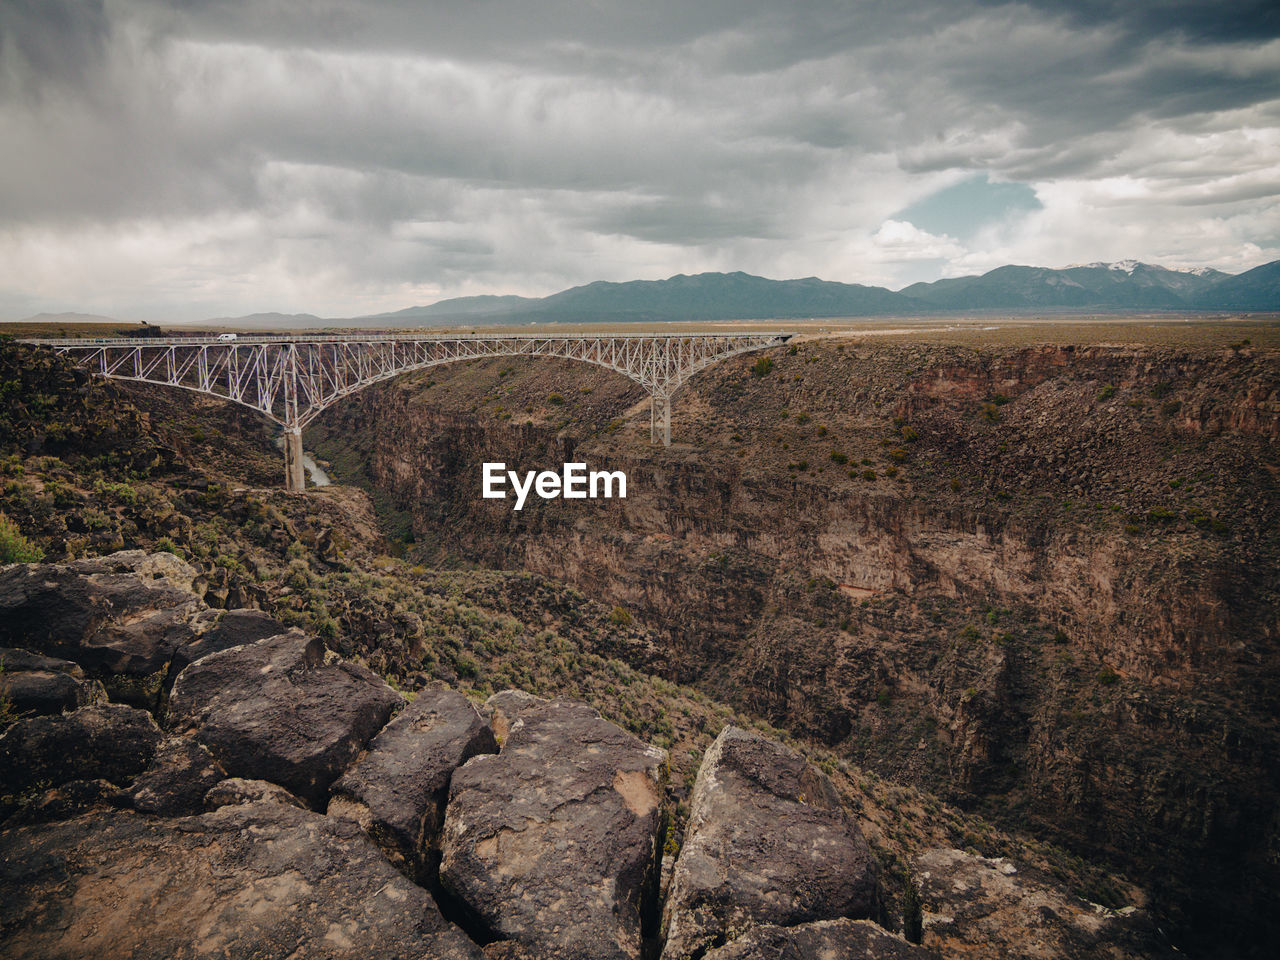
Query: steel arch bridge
[[291, 380]]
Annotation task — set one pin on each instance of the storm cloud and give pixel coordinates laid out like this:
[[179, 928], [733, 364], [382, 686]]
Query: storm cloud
[[217, 157]]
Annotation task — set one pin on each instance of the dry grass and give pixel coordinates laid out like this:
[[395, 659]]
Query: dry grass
[[86, 329]]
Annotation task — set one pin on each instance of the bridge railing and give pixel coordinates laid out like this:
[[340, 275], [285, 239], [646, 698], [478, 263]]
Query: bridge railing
[[242, 339]]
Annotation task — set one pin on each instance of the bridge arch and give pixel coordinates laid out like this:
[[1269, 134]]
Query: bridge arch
[[291, 380]]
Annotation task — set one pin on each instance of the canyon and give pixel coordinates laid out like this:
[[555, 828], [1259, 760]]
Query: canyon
[[1039, 580], [1014, 600]]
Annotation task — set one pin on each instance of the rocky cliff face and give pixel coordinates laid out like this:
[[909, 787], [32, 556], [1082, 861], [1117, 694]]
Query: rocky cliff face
[[1042, 581], [117, 840]]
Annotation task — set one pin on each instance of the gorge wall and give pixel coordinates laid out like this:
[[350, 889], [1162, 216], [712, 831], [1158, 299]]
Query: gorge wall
[[1041, 581]]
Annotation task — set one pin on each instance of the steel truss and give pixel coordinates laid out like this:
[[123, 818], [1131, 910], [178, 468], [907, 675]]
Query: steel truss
[[291, 380]]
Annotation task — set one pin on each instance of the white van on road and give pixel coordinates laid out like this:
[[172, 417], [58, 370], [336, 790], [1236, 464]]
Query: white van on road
[[226, 336]]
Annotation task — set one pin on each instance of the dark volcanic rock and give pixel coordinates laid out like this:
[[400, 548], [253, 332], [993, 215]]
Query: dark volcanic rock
[[175, 784], [68, 800], [33, 683], [232, 629], [821, 940], [125, 613], [976, 905], [510, 950], [397, 791], [553, 842], [109, 742], [768, 842], [237, 790], [274, 710], [259, 881], [502, 709]]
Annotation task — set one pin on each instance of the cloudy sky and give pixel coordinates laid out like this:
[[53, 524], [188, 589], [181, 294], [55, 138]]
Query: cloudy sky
[[219, 157]]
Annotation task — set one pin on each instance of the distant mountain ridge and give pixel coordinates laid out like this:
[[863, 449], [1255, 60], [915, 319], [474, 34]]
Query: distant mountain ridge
[[68, 317], [1125, 285], [1128, 284], [1122, 285]]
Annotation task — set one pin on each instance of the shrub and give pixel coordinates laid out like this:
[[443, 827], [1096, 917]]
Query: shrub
[[1107, 392], [620, 617], [763, 366], [909, 435], [119, 491], [95, 520], [898, 455], [14, 547], [792, 350], [838, 457], [868, 474], [1108, 677], [555, 399], [991, 413]]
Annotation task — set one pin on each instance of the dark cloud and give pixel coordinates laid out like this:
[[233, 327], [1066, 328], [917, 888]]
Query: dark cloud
[[684, 224], [1194, 20], [47, 43], [403, 146]]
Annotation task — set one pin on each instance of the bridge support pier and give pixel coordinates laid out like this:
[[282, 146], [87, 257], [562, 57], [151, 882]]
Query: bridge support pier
[[295, 475], [660, 419]]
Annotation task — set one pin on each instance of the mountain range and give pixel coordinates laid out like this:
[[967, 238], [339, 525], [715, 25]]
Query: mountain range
[[1124, 285]]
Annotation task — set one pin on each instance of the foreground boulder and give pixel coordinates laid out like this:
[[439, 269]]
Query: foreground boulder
[[34, 683], [990, 906], [275, 710], [237, 790], [177, 779], [259, 881], [504, 707], [821, 940], [108, 742], [768, 842], [397, 790], [553, 842], [230, 629], [121, 614]]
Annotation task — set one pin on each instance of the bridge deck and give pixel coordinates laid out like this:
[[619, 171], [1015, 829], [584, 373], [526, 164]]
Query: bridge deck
[[255, 339]]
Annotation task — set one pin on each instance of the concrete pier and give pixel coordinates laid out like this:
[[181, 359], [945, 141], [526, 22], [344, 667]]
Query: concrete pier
[[295, 475]]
